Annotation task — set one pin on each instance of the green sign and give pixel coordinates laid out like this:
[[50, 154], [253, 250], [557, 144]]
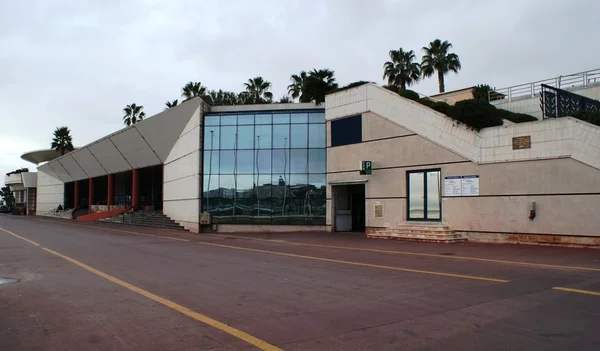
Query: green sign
[[366, 167]]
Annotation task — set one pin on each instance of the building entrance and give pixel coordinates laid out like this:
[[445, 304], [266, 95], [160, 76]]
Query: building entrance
[[349, 207]]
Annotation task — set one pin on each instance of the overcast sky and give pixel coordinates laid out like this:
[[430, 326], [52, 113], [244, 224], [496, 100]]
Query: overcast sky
[[78, 63]]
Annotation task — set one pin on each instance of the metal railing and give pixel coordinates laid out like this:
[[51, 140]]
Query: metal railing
[[533, 89], [556, 102]]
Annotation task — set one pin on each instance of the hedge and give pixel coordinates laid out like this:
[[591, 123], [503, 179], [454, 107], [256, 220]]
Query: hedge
[[592, 117]]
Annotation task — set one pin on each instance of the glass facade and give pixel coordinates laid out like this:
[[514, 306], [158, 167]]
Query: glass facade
[[265, 167]]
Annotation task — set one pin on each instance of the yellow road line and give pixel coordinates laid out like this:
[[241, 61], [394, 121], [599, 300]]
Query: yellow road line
[[261, 344], [479, 259], [587, 292], [542, 265], [117, 230], [20, 237], [359, 263]]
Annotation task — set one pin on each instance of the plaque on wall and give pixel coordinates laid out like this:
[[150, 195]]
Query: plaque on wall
[[522, 142], [379, 211]]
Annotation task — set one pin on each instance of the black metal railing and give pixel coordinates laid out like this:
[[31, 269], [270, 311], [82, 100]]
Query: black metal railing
[[560, 103]]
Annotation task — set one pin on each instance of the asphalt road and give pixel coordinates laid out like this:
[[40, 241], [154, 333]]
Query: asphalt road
[[113, 287]]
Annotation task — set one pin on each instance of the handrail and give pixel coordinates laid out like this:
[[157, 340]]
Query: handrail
[[532, 89]]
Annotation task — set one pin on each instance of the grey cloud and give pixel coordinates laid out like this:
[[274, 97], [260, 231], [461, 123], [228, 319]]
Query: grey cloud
[[79, 63]]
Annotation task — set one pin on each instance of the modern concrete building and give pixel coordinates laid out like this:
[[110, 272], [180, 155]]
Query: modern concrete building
[[367, 160], [23, 185]]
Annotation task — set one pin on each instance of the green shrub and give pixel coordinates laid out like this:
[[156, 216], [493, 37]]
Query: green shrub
[[515, 117], [408, 94], [426, 101], [442, 107], [588, 116], [476, 114]]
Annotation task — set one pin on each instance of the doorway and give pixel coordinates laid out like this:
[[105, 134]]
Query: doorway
[[424, 195], [349, 208]]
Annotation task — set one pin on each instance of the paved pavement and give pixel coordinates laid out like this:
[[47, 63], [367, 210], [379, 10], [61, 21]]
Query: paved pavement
[[114, 287]]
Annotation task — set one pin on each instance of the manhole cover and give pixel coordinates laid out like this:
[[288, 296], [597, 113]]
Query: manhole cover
[[6, 281], [448, 253]]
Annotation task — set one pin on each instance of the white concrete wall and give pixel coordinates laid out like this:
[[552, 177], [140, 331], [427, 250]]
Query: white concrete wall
[[562, 137], [50, 192], [181, 183], [531, 106]]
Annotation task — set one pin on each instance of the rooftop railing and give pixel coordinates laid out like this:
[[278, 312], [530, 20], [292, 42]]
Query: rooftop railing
[[533, 89]]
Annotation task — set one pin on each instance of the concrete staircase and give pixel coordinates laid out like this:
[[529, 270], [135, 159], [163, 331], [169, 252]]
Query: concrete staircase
[[145, 218], [418, 232]]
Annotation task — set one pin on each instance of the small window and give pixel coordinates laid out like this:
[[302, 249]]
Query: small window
[[346, 131]]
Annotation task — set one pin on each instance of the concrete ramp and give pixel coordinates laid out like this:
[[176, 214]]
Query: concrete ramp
[[551, 138]]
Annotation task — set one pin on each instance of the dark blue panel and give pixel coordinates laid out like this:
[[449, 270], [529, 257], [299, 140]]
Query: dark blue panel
[[346, 131]]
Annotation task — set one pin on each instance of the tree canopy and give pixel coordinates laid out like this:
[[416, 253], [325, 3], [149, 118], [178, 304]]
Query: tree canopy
[[62, 140]]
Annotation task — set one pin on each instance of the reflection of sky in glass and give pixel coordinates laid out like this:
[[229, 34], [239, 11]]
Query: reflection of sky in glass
[[264, 169], [417, 195]]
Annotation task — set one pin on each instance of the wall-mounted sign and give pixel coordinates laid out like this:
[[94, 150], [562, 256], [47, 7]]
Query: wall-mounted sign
[[379, 211], [452, 186], [461, 185], [366, 167], [522, 142], [470, 185]]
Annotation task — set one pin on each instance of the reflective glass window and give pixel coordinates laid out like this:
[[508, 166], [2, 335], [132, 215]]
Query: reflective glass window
[[211, 138], [281, 118], [228, 137], [299, 161], [316, 117], [317, 161], [228, 120], [263, 119], [299, 117], [245, 120], [211, 120], [281, 136], [245, 162], [263, 136], [226, 162], [317, 135], [299, 136], [245, 137]]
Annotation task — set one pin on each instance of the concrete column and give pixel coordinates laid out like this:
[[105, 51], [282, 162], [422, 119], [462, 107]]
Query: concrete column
[[76, 195], [135, 188], [90, 194], [111, 191]]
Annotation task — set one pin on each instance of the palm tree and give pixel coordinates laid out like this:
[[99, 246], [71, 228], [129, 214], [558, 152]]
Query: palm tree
[[401, 70], [285, 99], [62, 141], [316, 85], [133, 114], [258, 90], [220, 98], [171, 104], [437, 59], [192, 90], [295, 89]]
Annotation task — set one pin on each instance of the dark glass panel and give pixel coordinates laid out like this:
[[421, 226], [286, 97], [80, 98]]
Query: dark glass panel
[[317, 198], [245, 199], [211, 194], [346, 131], [298, 200]]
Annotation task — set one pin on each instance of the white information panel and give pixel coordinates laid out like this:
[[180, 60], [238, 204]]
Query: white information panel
[[470, 185], [452, 186]]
